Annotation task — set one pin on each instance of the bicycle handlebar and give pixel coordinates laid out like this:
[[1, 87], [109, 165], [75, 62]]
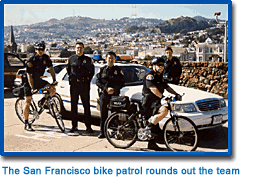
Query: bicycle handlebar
[[172, 98], [46, 87]]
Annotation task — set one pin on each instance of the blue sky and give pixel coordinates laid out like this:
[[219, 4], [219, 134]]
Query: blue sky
[[24, 14]]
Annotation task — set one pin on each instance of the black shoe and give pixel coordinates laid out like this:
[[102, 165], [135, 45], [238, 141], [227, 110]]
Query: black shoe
[[73, 132], [101, 135], [89, 130], [28, 127], [152, 145]]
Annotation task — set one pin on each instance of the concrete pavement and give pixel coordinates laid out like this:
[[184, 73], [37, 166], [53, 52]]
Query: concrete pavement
[[48, 138]]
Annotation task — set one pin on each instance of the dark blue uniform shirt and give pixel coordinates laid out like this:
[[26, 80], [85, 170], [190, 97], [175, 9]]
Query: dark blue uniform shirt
[[110, 77], [36, 66], [80, 68]]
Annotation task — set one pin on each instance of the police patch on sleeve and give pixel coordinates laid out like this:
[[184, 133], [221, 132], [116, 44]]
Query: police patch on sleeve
[[150, 77], [29, 64]]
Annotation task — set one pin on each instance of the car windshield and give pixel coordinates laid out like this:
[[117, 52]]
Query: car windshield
[[133, 75], [56, 68]]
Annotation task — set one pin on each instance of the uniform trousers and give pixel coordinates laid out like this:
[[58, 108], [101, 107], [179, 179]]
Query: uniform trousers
[[82, 90], [104, 102]]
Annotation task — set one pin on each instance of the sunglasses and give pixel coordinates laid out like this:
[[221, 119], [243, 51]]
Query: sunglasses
[[40, 49], [162, 65]]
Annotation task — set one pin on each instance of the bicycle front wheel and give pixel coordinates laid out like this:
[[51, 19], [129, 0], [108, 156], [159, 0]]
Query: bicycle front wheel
[[55, 112], [19, 109], [120, 132], [180, 135]]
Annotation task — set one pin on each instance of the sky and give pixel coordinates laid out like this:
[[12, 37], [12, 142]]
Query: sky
[[25, 14]]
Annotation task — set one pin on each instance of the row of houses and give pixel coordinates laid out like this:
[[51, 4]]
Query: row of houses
[[139, 49], [200, 52]]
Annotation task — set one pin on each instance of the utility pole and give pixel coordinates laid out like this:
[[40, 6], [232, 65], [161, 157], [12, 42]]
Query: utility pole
[[134, 13], [226, 34]]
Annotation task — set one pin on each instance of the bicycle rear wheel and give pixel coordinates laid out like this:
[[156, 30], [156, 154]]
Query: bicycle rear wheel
[[180, 136], [120, 132], [55, 112], [19, 109]]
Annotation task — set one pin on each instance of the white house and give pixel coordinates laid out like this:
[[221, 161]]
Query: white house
[[209, 51]]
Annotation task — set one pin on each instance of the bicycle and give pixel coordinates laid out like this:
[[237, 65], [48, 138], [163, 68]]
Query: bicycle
[[123, 129], [35, 111]]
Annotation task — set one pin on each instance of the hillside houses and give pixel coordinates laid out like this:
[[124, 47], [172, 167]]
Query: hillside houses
[[191, 46]]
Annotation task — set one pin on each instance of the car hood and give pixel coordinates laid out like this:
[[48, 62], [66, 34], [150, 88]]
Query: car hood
[[191, 95]]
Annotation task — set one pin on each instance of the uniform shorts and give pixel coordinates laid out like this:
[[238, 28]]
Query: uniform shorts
[[150, 108], [37, 85]]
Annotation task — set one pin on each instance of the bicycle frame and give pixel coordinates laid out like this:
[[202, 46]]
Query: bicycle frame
[[43, 90], [142, 123]]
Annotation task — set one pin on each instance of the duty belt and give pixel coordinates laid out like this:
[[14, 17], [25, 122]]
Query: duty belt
[[79, 80]]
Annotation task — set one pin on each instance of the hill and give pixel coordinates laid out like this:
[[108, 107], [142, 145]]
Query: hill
[[182, 25], [175, 25], [76, 27]]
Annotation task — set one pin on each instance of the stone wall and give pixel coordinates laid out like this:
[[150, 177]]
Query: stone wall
[[207, 76]]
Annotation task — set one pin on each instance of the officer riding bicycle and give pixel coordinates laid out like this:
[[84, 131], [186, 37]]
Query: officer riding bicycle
[[153, 89], [36, 66]]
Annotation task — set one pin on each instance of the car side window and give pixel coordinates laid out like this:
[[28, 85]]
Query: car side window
[[134, 74], [14, 61], [58, 68]]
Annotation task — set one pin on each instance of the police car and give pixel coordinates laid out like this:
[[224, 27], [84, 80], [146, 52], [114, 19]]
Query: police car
[[205, 109]]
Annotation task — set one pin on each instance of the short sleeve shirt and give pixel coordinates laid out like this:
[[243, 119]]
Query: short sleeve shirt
[[153, 79], [110, 77], [36, 66]]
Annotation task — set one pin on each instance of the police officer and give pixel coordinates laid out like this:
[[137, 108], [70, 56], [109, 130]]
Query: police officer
[[173, 68], [80, 69], [153, 89], [109, 81], [36, 66]]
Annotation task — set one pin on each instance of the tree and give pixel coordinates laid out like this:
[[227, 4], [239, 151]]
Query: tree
[[88, 50], [31, 49], [66, 53]]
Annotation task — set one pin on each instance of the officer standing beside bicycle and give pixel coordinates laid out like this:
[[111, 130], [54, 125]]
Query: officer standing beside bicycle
[[36, 66], [153, 89], [80, 69], [110, 80]]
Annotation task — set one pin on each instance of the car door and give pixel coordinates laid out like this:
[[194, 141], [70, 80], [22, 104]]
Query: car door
[[64, 91], [12, 63], [94, 95]]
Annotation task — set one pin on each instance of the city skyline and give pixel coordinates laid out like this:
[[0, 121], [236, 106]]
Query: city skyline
[[26, 14]]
